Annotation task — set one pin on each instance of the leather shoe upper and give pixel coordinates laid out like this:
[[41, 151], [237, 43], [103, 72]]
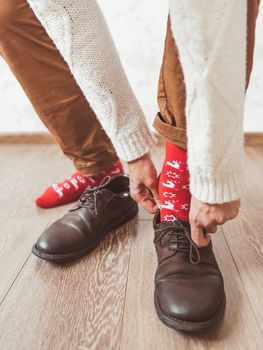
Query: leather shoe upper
[[188, 283], [98, 211]]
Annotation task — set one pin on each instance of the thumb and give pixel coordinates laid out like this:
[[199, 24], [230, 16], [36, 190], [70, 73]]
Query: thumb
[[197, 234]]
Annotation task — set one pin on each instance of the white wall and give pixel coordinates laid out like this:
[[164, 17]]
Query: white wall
[[138, 27], [254, 97]]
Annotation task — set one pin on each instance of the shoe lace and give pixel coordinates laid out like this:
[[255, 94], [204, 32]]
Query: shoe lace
[[89, 197], [180, 240]]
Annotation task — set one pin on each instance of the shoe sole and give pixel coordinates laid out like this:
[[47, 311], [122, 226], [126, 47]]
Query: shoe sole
[[64, 258], [189, 327]]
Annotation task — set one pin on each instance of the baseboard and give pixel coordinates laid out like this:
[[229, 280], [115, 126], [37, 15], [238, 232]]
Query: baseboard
[[16, 138], [251, 138]]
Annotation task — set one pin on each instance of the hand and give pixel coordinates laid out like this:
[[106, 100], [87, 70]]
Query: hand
[[205, 217], [144, 183]]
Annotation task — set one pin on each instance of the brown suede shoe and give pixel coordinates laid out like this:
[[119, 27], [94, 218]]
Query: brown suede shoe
[[98, 211], [189, 288]]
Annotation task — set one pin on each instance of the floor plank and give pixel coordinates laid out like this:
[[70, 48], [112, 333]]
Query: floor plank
[[78, 306], [90, 304], [245, 234], [27, 170], [143, 331], [24, 174]]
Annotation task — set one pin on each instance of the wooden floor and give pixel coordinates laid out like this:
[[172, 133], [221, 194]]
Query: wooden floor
[[105, 301]]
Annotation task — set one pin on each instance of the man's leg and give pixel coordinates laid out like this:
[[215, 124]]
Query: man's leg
[[47, 81], [171, 121], [189, 291]]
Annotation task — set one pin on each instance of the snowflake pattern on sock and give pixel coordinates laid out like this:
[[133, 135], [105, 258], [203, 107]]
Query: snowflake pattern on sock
[[174, 191], [72, 188]]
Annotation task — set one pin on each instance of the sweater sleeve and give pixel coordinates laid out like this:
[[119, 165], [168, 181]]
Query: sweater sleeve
[[211, 40], [80, 33]]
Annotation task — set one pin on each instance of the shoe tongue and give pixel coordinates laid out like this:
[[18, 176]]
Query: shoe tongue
[[176, 223], [105, 181], [186, 224], [102, 185], [164, 224]]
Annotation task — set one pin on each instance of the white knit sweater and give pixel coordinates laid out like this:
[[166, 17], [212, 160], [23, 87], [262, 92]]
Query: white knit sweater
[[80, 32], [211, 38]]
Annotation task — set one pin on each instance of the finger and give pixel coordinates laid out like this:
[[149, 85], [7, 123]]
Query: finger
[[155, 194], [143, 199], [198, 236], [149, 205], [211, 229], [207, 223]]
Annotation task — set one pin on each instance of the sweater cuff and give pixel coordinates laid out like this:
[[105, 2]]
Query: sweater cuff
[[135, 144], [220, 189]]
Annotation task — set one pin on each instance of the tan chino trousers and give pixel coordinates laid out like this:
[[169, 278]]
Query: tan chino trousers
[[51, 88]]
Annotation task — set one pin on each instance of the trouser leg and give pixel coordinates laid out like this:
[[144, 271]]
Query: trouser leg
[[170, 122], [47, 81]]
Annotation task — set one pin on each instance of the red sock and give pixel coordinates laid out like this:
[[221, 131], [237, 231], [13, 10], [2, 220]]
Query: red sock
[[71, 189], [174, 191]]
